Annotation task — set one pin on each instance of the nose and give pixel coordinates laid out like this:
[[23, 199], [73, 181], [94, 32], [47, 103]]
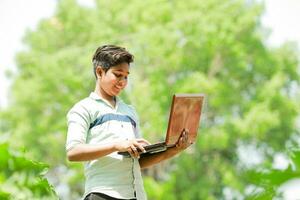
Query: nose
[[122, 81]]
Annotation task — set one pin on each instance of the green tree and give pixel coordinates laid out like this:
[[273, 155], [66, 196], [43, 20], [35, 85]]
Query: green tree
[[21, 178], [213, 47], [268, 180]]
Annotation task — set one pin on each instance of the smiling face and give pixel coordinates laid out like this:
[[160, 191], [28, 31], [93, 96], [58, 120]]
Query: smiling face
[[113, 81]]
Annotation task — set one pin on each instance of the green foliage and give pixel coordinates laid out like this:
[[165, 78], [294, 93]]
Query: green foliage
[[21, 178], [267, 181], [211, 47]]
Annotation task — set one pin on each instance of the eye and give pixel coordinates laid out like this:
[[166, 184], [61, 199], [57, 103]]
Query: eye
[[117, 75], [120, 76]]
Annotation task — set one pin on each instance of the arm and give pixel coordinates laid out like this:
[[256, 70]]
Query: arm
[[152, 159], [77, 150], [85, 152]]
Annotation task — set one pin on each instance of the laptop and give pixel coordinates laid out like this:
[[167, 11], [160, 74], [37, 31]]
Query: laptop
[[184, 115]]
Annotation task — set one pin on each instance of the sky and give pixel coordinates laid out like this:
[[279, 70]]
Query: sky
[[282, 16], [17, 16]]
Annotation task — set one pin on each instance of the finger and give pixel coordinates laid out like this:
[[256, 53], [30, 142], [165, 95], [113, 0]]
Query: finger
[[186, 137], [140, 147], [183, 135], [143, 141], [129, 150], [180, 141], [183, 143], [135, 151], [179, 145]]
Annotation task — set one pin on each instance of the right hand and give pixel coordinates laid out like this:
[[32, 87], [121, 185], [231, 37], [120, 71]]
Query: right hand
[[132, 146]]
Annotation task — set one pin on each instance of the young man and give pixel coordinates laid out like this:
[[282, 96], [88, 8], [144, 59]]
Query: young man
[[101, 125]]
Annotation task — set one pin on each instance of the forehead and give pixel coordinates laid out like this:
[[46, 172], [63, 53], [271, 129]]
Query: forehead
[[123, 67]]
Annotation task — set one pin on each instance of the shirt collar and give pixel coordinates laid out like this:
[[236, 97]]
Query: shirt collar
[[96, 97]]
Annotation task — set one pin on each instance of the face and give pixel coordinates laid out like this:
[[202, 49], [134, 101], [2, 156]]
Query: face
[[114, 80]]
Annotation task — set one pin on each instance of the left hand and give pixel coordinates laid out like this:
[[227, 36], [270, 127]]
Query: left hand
[[183, 141]]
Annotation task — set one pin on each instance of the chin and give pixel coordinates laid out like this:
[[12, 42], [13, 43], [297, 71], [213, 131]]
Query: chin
[[116, 93]]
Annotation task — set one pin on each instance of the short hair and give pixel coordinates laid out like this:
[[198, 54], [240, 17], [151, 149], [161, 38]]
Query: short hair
[[107, 56]]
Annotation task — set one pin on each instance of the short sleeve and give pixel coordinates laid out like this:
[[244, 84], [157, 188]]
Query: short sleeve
[[78, 119]]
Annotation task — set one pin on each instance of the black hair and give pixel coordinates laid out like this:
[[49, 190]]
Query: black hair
[[107, 56]]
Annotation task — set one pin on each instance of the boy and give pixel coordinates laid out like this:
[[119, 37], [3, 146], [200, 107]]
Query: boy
[[102, 124]]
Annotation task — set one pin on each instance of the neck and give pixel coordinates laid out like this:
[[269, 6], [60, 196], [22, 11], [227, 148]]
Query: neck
[[104, 95]]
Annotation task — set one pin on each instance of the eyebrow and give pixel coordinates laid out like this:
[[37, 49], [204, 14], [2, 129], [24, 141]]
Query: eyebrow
[[121, 71]]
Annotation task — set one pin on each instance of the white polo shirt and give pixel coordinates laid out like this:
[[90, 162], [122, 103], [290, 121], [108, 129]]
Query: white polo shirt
[[94, 121]]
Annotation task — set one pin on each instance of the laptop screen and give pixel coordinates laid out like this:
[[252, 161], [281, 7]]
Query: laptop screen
[[185, 114]]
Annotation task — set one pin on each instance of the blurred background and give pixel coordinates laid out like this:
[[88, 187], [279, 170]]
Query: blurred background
[[242, 54]]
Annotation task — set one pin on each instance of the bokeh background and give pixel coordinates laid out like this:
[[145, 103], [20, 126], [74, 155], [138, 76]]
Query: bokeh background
[[242, 54]]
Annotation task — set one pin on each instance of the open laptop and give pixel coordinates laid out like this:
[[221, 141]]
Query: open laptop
[[184, 115]]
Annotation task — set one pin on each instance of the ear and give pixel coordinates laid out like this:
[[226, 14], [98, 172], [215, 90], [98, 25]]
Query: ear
[[99, 72]]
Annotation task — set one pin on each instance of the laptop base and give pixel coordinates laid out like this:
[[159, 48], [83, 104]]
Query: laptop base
[[150, 149]]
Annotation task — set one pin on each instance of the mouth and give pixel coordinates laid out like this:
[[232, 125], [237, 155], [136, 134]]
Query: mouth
[[118, 88]]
